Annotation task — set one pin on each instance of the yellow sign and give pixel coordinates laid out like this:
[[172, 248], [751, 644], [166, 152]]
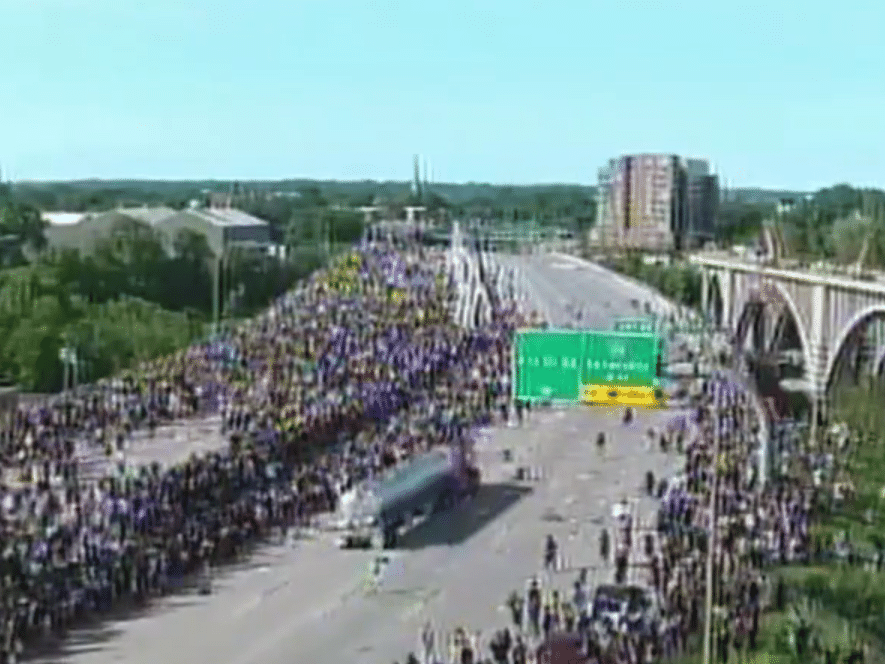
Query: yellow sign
[[615, 395]]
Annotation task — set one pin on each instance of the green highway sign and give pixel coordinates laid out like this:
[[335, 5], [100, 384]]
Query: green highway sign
[[555, 365], [694, 326], [621, 358], [641, 325], [547, 365]]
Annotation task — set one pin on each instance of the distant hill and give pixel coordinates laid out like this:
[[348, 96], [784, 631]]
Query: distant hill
[[88, 193], [93, 193]]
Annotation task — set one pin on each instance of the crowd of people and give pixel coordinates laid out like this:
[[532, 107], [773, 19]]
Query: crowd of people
[[353, 371], [357, 369], [662, 616]]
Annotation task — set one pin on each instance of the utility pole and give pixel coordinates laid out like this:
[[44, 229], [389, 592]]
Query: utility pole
[[64, 364], [328, 238], [216, 286], [711, 540]]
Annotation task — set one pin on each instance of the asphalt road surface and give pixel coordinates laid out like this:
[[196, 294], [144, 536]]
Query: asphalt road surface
[[309, 602], [557, 282], [170, 444]]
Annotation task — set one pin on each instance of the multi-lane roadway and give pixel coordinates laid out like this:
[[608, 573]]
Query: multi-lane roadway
[[310, 602], [558, 284]]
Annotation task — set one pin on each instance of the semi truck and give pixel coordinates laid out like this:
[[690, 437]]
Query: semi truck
[[374, 514]]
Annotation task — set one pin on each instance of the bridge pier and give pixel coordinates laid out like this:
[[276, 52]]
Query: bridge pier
[[706, 312], [723, 281], [827, 309]]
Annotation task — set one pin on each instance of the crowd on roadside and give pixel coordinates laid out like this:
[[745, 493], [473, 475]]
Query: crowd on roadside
[[758, 526], [353, 371]]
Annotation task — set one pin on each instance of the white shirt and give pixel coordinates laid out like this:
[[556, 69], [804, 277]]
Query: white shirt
[[620, 510]]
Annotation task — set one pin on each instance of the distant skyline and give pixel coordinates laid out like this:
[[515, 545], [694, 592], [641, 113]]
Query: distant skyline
[[777, 95]]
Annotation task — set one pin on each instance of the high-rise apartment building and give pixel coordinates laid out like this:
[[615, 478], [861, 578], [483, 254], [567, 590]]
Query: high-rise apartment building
[[655, 202]]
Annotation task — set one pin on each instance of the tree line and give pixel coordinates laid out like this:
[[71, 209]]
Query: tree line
[[130, 284], [839, 224], [124, 302]]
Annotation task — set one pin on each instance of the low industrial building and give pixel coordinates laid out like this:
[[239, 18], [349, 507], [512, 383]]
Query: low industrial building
[[84, 231], [224, 228]]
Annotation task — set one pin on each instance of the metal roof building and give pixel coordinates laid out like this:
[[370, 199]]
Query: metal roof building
[[224, 228], [83, 231], [62, 218]]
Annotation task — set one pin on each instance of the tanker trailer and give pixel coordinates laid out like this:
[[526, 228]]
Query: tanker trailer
[[376, 513]]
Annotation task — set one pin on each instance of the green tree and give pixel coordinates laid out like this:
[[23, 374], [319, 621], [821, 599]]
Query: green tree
[[313, 197], [345, 226], [24, 225], [34, 343], [192, 247], [739, 222], [435, 201], [848, 238]]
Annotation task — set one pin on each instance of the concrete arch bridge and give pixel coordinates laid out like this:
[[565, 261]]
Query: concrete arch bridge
[[833, 324]]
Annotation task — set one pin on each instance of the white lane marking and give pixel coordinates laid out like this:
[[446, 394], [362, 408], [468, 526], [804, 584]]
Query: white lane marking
[[272, 640], [248, 607], [421, 605]]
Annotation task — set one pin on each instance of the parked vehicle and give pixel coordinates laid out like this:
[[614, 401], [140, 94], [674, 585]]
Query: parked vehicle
[[629, 607], [376, 513]]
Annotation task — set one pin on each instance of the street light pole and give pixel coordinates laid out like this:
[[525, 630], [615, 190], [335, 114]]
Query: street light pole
[[216, 285], [64, 379], [711, 540]]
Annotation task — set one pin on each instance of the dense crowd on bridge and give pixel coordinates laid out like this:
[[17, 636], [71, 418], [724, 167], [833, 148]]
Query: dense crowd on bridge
[[347, 375], [354, 371], [758, 526]]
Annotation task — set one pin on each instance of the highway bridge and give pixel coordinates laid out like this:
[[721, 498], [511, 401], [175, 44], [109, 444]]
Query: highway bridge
[[503, 237], [832, 316], [310, 602]]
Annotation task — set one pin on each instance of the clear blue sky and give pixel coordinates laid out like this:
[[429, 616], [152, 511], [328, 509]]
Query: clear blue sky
[[782, 93]]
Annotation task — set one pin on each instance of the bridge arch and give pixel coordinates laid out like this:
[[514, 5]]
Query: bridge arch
[[714, 299], [749, 317], [775, 295], [842, 344]]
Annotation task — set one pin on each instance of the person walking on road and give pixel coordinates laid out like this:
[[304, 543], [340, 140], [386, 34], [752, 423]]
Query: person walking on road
[[551, 550], [516, 604], [621, 564], [428, 644], [533, 605], [376, 573], [604, 545]]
